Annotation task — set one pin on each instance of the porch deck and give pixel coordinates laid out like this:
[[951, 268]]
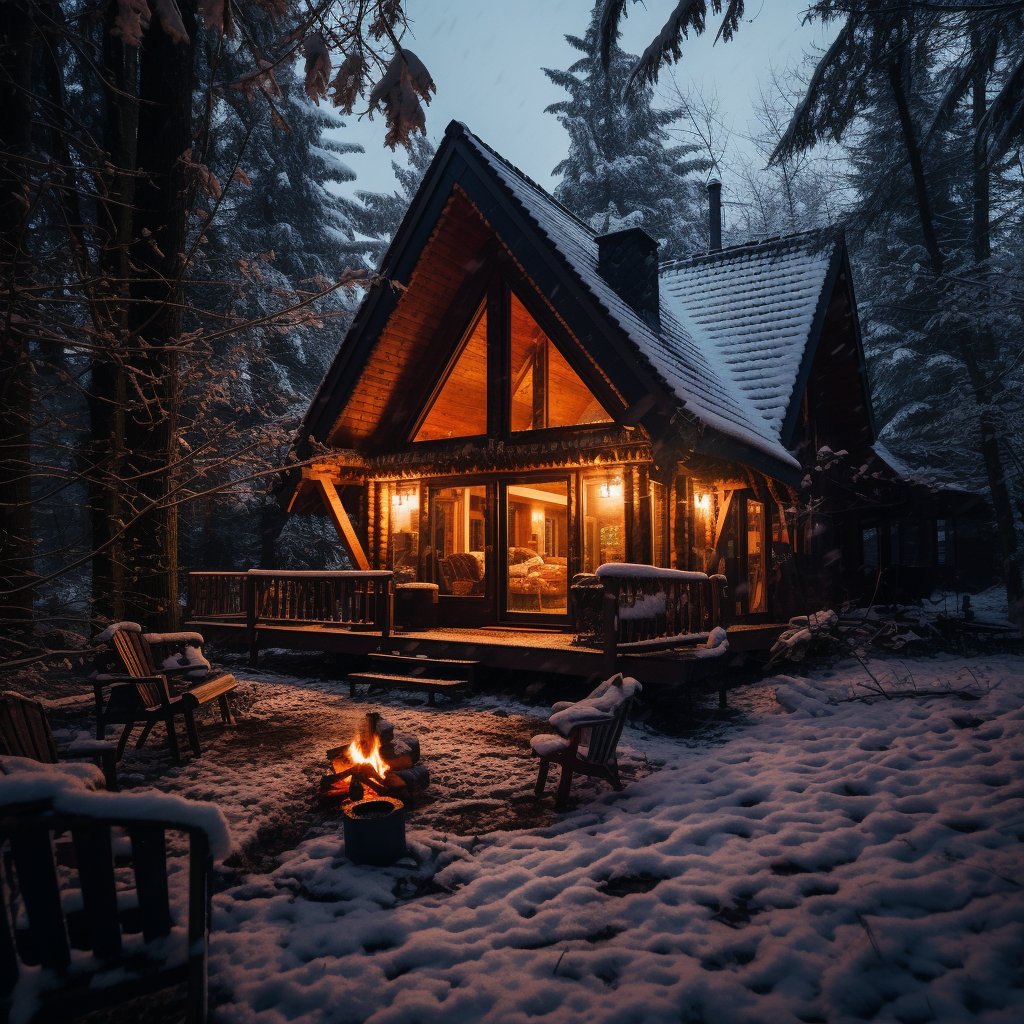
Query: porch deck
[[500, 647]]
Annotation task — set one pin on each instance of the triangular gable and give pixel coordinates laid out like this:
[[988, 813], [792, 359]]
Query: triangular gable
[[657, 373], [460, 406]]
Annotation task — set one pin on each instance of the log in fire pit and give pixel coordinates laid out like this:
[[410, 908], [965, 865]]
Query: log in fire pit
[[378, 762]]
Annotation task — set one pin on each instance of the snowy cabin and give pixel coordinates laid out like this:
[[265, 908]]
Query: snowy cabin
[[527, 401]]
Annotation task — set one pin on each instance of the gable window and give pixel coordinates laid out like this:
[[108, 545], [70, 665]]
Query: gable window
[[460, 408], [545, 391]]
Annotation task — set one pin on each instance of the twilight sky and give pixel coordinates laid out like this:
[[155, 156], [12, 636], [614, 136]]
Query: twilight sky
[[486, 59]]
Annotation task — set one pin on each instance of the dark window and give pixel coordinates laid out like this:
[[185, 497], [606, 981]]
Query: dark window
[[894, 543], [869, 538], [945, 549]]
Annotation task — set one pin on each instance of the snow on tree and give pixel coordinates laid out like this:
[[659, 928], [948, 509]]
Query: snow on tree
[[378, 214], [619, 172]]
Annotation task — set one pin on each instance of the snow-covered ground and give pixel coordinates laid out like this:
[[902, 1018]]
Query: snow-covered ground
[[837, 861]]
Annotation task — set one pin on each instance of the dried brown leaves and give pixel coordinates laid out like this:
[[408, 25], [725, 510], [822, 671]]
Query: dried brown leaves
[[405, 82], [170, 19], [131, 21], [349, 82], [318, 66]]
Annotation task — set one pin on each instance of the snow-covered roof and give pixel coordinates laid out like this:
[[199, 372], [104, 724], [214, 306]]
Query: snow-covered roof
[[689, 368], [751, 310]]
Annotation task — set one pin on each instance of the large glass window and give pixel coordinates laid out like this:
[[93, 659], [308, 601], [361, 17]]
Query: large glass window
[[458, 517], [404, 546], [756, 561], [545, 390], [604, 519], [460, 410], [538, 546]]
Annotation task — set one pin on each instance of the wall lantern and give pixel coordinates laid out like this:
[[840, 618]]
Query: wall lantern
[[702, 502], [611, 489]]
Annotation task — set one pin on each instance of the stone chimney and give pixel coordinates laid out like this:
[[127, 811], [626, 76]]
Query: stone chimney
[[628, 261], [714, 215]]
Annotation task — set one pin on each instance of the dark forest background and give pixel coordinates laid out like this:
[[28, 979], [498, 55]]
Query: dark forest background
[[177, 271]]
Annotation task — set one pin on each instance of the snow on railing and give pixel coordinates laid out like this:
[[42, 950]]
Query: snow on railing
[[625, 608]]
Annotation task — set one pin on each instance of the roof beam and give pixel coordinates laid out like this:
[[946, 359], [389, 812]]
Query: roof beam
[[342, 523]]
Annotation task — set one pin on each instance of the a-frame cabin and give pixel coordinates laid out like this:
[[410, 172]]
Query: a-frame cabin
[[520, 401]]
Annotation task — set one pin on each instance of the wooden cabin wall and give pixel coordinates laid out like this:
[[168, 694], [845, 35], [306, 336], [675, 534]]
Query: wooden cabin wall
[[643, 547], [682, 522]]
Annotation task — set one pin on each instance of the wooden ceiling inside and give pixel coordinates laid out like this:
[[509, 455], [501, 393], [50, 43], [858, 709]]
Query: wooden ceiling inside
[[392, 377]]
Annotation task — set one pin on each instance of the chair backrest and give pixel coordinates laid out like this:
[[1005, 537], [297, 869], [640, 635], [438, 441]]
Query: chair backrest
[[134, 652], [50, 930], [24, 730], [605, 738], [465, 566]]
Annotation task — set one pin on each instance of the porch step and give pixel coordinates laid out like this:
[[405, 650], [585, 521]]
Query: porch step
[[381, 680], [410, 665]]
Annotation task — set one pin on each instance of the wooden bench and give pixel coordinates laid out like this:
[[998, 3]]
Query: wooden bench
[[80, 926], [142, 695], [25, 732], [587, 740]]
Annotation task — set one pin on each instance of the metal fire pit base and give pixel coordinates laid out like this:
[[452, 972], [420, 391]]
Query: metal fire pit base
[[374, 830]]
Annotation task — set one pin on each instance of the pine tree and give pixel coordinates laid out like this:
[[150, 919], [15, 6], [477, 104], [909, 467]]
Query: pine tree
[[281, 235], [619, 172], [380, 213]]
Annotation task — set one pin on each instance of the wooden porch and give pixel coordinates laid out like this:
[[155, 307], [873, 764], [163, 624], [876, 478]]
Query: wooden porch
[[351, 613]]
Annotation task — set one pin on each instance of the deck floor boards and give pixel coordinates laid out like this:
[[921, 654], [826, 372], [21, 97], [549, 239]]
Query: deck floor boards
[[498, 647]]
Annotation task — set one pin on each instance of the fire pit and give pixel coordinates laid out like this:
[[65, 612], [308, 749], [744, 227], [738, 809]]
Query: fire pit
[[378, 763], [374, 830]]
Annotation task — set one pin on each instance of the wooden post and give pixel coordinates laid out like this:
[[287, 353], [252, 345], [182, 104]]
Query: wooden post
[[250, 618], [200, 896], [627, 501], [385, 605], [611, 625], [342, 523], [643, 546]]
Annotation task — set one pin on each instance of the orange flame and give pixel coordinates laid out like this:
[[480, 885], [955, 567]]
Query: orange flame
[[373, 759]]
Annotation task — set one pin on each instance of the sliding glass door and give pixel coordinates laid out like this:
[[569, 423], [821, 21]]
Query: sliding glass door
[[537, 527]]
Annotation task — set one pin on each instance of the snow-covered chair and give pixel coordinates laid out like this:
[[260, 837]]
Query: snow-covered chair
[[141, 695], [78, 939], [588, 735], [25, 732]]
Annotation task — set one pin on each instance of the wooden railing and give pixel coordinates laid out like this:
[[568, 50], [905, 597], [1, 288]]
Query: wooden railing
[[268, 597], [636, 608], [220, 595]]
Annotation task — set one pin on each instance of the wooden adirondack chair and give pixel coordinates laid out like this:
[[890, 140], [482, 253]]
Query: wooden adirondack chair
[[142, 695], [38, 928], [590, 731], [25, 732]]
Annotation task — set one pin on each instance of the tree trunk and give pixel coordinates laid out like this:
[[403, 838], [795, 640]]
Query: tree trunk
[[162, 200], [987, 387], [16, 562], [899, 92]]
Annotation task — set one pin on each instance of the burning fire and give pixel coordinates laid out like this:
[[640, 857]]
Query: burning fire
[[356, 755]]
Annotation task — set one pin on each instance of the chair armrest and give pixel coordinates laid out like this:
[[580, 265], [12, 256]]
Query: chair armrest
[[173, 639], [561, 706], [87, 748], [106, 679], [103, 753], [588, 723]]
